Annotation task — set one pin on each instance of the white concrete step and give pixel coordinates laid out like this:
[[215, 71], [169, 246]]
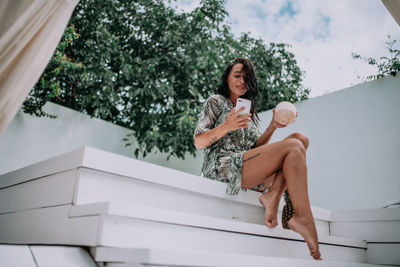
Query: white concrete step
[[126, 225], [46, 191], [44, 256], [374, 225], [379, 227], [95, 186], [62, 256], [140, 257], [14, 255], [134, 211], [51, 225], [89, 175]]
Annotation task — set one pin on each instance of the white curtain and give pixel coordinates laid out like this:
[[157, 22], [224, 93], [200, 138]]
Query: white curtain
[[29, 33], [393, 6]]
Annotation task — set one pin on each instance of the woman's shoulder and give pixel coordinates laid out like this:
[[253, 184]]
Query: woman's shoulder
[[217, 99], [217, 102]]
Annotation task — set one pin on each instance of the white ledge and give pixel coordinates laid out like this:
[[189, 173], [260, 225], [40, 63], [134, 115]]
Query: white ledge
[[88, 157], [182, 218]]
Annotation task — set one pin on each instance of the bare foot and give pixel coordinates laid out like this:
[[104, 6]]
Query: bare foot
[[305, 226], [271, 204]]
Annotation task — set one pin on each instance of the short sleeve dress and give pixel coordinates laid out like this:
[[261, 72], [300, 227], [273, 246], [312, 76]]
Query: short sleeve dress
[[223, 160]]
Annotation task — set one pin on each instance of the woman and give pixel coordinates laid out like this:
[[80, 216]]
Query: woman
[[237, 153]]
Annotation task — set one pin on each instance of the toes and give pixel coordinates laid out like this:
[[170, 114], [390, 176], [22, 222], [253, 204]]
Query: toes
[[316, 255], [271, 223]]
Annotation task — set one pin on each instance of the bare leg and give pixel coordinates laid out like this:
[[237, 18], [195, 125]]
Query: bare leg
[[270, 200], [302, 222], [289, 155]]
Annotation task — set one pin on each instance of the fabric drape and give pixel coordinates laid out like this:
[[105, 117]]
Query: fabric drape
[[393, 6], [29, 33]]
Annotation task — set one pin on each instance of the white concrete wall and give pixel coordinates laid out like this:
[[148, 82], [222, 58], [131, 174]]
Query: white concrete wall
[[354, 154], [29, 139], [353, 158]]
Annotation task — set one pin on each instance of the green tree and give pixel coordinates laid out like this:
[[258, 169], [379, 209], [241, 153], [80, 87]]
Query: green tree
[[61, 77], [387, 66], [144, 66]]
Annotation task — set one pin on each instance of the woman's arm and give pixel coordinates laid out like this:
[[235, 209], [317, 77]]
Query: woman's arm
[[210, 137], [232, 122], [266, 136]]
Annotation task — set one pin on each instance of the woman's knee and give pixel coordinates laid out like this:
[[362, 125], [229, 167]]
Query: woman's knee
[[301, 137], [295, 145]]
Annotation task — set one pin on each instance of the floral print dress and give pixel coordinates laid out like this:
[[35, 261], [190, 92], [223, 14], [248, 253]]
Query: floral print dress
[[223, 160]]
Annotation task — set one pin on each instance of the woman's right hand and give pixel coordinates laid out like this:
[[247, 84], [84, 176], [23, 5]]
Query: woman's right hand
[[234, 121]]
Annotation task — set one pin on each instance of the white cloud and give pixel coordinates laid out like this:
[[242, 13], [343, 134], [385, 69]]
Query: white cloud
[[185, 5], [323, 34]]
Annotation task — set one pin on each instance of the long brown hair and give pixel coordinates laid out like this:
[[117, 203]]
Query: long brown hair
[[250, 81]]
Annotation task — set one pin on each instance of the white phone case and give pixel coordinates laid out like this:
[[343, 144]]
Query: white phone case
[[242, 102]]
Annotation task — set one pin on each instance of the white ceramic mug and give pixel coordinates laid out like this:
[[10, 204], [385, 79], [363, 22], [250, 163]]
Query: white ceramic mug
[[285, 113]]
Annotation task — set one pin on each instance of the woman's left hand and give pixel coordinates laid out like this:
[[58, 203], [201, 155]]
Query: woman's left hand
[[276, 124]]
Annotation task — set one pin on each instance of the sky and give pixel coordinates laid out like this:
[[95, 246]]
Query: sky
[[323, 35]]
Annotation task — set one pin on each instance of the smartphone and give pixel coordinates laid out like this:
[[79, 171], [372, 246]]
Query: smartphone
[[241, 102]]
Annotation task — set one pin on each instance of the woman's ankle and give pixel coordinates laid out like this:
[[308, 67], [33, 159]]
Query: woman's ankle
[[304, 214]]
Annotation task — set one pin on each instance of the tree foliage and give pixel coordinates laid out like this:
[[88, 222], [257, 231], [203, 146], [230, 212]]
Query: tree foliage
[[387, 66], [143, 65]]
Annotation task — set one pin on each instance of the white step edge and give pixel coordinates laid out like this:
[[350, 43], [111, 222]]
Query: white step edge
[[62, 256], [51, 225], [33, 227], [382, 214], [96, 186], [118, 231], [99, 264], [374, 225], [62, 188], [372, 231], [52, 190], [134, 256], [181, 218], [91, 158], [53, 165], [384, 253], [392, 204], [16, 255]]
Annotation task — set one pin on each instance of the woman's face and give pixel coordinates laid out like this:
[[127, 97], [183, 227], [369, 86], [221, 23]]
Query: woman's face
[[236, 82]]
